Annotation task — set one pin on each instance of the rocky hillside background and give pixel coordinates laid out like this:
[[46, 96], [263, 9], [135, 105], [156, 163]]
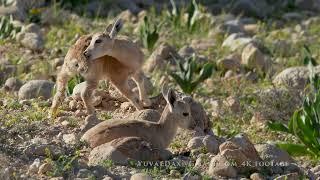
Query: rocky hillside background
[[255, 64]]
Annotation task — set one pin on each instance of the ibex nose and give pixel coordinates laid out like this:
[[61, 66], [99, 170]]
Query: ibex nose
[[86, 54]]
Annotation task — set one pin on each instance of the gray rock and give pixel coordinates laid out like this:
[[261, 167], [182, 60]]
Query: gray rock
[[293, 77], [160, 57], [89, 122], [253, 58], [242, 141], [219, 166], [7, 71], [236, 41], [186, 51], [211, 143], [292, 16], [12, 84], [140, 176], [32, 41], [232, 26], [147, 114], [40, 150], [231, 62], [195, 143], [106, 152], [85, 173], [35, 89], [269, 152]]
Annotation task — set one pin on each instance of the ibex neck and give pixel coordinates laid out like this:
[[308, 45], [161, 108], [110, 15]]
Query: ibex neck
[[168, 127]]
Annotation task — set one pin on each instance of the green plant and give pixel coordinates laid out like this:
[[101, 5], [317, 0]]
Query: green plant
[[108, 163], [189, 74], [73, 82], [7, 29], [305, 122], [148, 34], [176, 16], [63, 165], [193, 12]]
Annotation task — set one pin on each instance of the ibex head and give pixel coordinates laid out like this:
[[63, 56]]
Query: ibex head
[[179, 108], [74, 61], [102, 43]]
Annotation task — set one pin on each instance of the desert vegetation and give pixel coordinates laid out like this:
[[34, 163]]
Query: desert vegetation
[[245, 71]]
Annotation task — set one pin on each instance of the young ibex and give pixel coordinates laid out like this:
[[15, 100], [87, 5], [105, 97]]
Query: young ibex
[[160, 134], [121, 48], [105, 67]]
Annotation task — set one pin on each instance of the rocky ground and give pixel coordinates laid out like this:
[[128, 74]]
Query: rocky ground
[[255, 46]]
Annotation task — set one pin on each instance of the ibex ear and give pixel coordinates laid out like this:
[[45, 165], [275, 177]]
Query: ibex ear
[[108, 29], [170, 97], [116, 28]]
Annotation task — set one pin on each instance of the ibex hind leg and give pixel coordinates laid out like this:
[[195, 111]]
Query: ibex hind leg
[[125, 90], [138, 77]]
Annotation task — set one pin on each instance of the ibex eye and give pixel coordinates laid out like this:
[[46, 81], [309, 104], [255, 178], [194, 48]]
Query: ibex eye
[[98, 41], [77, 65], [185, 114]]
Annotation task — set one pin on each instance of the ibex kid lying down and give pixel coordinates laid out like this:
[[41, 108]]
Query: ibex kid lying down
[[176, 114]]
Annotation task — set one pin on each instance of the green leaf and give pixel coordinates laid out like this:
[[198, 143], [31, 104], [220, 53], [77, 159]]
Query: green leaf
[[294, 149], [206, 71], [277, 126]]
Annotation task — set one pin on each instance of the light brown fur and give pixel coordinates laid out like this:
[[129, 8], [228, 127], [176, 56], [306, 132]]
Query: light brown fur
[[160, 134], [102, 68]]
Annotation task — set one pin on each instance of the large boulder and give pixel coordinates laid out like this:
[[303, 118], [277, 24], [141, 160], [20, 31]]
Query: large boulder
[[121, 150], [31, 40], [253, 58], [236, 41], [242, 152], [35, 89], [232, 26], [270, 152], [220, 166], [293, 77], [12, 84], [160, 58]]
